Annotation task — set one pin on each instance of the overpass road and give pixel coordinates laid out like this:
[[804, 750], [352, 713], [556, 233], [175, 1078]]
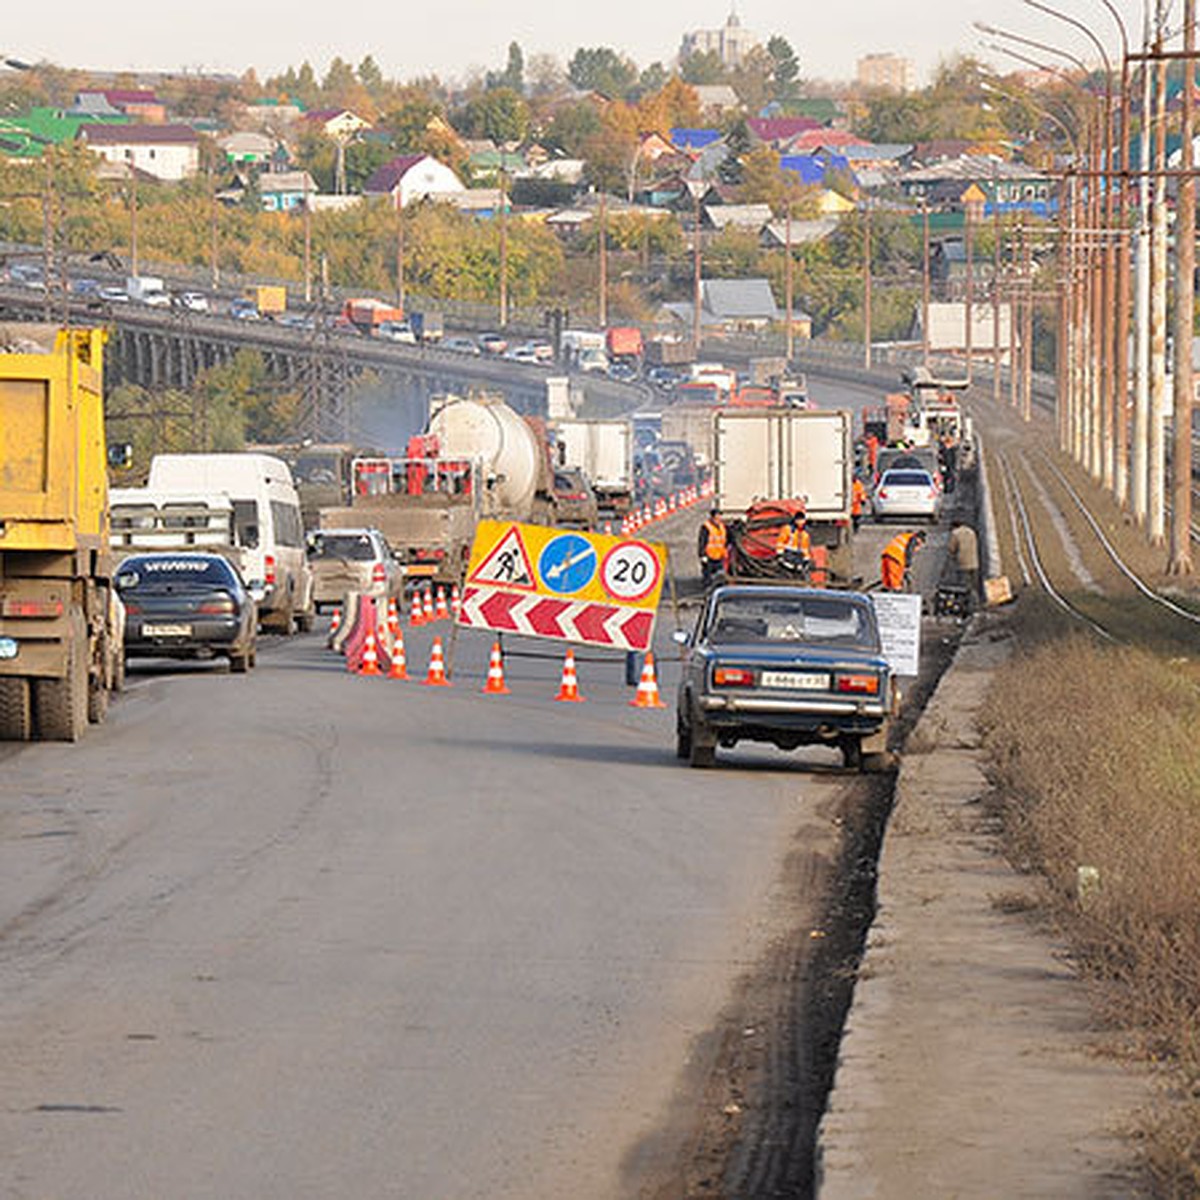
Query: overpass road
[[299, 934]]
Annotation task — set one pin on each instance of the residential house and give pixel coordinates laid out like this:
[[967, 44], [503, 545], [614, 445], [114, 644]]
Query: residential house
[[28, 135], [273, 113], [729, 305], [138, 104], [780, 132], [167, 152], [716, 98], [690, 140], [751, 218], [283, 191], [336, 123], [245, 148], [803, 232], [815, 169], [990, 184], [412, 177]]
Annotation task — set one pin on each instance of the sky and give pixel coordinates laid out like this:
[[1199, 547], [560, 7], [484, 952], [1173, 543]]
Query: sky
[[451, 37]]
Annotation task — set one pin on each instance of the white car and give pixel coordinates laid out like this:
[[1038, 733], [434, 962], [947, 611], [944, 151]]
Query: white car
[[906, 492], [193, 301], [524, 354], [396, 331]]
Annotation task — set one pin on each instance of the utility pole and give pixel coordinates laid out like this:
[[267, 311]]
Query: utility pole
[[399, 250], [968, 315], [789, 341], [1156, 455], [214, 260], [697, 290], [603, 248], [925, 283], [996, 299], [867, 285], [1139, 460], [1026, 327], [1180, 560], [308, 271], [503, 247], [133, 215], [48, 237]]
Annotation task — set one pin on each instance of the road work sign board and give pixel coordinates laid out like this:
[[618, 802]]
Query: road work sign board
[[558, 583], [899, 617]]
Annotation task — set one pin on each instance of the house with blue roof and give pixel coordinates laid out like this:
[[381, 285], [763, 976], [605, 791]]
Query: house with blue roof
[[694, 139]]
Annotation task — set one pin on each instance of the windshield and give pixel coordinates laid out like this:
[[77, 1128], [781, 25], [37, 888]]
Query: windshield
[[352, 547], [826, 619], [907, 479]]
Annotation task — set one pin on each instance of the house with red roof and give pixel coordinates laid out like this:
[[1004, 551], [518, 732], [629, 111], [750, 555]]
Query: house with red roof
[[777, 132]]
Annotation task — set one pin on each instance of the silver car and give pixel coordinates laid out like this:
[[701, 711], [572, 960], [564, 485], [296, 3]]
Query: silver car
[[353, 560], [905, 492]]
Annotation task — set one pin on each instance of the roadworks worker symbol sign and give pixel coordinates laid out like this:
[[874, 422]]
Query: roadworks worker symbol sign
[[592, 588]]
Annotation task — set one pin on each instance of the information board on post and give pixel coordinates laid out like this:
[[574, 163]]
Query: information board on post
[[571, 585], [899, 618]]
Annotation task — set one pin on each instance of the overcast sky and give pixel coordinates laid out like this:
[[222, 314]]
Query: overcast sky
[[450, 37]]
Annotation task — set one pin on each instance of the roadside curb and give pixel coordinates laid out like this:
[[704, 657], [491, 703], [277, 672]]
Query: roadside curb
[[969, 1065]]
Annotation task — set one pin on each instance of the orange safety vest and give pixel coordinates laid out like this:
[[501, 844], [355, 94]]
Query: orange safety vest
[[793, 539], [714, 547], [858, 496], [895, 561]]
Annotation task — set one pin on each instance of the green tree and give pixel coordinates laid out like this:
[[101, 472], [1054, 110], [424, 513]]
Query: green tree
[[703, 68], [785, 69], [737, 146], [513, 75], [499, 114], [601, 69], [572, 127], [371, 77]]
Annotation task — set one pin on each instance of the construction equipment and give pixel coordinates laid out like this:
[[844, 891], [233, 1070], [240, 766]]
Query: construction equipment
[[61, 623]]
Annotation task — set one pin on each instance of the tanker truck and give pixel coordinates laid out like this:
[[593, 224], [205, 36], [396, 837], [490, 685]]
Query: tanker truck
[[476, 458], [61, 624]]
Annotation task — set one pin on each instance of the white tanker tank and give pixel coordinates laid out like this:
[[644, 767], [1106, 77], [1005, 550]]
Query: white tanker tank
[[513, 455]]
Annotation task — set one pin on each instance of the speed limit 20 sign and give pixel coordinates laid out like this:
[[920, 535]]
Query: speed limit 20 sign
[[631, 571]]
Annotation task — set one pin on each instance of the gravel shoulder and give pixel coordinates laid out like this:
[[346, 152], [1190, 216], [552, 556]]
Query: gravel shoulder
[[971, 1064]]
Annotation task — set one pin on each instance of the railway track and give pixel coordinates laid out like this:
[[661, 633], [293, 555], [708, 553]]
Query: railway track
[[1031, 541]]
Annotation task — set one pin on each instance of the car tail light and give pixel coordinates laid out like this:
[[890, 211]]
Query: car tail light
[[933, 492], [883, 493], [269, 568], [131, 606], [31, 608], [867, 685], [379, 573], [733, 677], [218, 605]]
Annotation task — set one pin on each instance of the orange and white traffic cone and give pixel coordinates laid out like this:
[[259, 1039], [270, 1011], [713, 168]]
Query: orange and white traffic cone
[[568, 690], [437, 667], [370, 657], [335, 622], [393, 618], [399, 667], [417, 615], [495, 685], [647, 689], [443, 613], [427, 607]]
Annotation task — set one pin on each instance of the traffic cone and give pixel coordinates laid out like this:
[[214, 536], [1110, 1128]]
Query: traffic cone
[[495, 685], [568, 690], [647, 689], [417, 616], [370, 657], [437, 667], [455, 601], [427, 607], [393, 618], [335, 622], [608, 529], [443, 613], [399, 667]]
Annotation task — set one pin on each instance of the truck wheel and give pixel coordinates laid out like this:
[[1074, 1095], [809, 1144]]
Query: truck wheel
[[97, 700], [16, 709], [239, 664], [306, 621], [61, 705]]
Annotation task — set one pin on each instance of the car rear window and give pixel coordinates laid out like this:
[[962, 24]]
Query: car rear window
[[907, 479], [174, 571], [354, 547], [792, 619]]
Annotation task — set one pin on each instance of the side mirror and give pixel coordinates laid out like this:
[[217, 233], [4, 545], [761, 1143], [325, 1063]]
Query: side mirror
[[681, 637]]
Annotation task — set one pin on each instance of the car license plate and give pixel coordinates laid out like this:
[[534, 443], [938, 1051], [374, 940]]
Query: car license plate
[[798, 680], [167, 630]]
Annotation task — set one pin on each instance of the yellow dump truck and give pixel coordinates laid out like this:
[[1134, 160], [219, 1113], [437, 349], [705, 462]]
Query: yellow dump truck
[[269, 299], [61, 624]]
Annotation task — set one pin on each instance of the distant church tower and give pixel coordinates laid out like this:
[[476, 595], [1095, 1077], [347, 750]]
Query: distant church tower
[[731, 43]]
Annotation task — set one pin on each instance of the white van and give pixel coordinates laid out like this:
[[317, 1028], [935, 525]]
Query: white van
[[268, 528]]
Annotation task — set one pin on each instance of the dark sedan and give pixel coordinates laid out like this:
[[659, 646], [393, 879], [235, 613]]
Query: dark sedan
[[787, 665], [187, 606]]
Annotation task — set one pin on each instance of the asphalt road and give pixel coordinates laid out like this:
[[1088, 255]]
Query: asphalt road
[[303, 934]]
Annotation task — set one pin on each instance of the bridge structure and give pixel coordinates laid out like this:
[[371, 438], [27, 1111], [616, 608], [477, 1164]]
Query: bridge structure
[[342, 377]]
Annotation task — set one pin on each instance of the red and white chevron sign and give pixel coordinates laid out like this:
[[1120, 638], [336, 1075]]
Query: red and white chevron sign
[[614, 625]]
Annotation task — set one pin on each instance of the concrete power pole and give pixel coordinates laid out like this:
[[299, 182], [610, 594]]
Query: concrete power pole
[[1180, 560], [1139, 460], [1156, 445]]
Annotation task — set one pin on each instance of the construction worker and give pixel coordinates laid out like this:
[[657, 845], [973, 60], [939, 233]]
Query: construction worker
[[713, 547], [858, 501], [964, 552], [793, 546], [897, 558]]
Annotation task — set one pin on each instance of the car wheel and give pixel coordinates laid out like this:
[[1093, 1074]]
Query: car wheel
[[703, 748], [306, 621], [683, 739], [852, 753], [239, 664]]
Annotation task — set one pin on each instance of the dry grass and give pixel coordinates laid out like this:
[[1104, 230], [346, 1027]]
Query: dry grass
[[1097, 751]]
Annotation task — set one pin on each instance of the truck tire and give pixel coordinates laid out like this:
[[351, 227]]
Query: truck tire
[[239, 663], [61, 705], [97, 700], [16, 709]]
